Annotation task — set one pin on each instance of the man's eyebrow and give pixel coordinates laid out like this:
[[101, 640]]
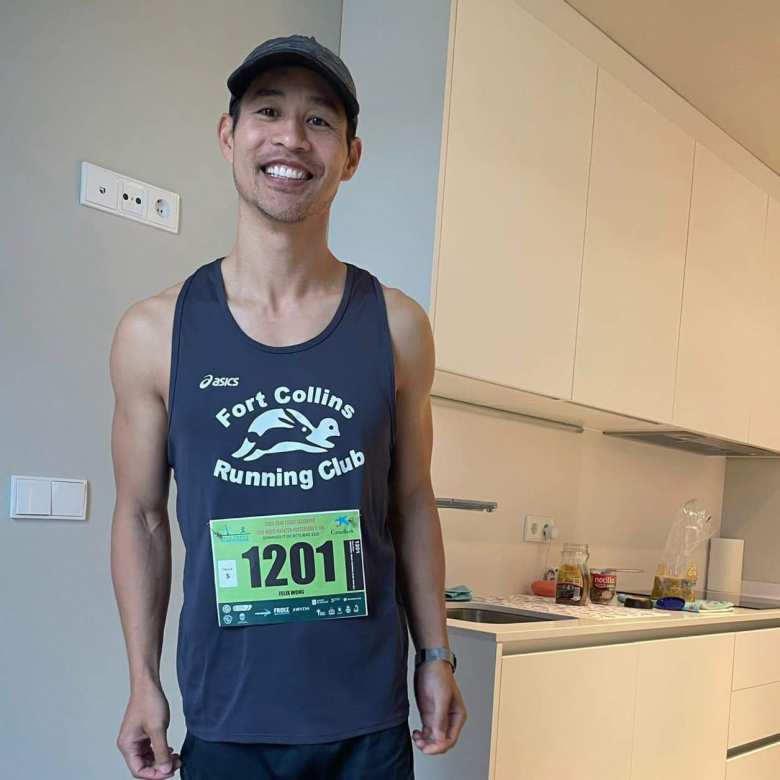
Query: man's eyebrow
[[320, 100]]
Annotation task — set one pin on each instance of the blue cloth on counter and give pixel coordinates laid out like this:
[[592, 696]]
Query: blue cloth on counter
[[458, 593], [707, 605]]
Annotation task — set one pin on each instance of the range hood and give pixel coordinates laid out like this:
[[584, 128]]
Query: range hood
[[449, 387], [694, 442]]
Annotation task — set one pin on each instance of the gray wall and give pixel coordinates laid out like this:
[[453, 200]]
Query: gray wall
[[138, 88], [384, 218], [751, 511]]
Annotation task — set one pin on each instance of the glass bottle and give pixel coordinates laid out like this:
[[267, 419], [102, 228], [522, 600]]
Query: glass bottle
[[572, 583]]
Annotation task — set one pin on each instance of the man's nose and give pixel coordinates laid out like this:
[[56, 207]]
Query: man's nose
[[292, 133]]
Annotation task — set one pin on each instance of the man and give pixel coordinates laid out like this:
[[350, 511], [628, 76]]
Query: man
[[293, 404]]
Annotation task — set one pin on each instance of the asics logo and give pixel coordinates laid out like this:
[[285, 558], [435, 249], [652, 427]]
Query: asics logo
[[218, 381]]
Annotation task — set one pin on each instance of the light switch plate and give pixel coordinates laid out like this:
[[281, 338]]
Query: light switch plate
[[69, 498], [50, 498], [30, 497]]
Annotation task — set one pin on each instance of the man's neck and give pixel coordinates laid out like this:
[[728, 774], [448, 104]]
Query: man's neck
[[277, 264]]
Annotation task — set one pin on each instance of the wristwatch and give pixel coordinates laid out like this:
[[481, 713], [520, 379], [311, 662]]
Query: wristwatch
[[433, 653]]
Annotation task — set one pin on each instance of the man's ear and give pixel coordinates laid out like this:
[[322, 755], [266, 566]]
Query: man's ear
[[353, 158], [225, 136]]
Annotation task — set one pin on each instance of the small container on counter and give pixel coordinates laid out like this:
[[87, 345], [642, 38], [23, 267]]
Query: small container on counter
[[603, 583], [638, 602], [544, 588], [572, 583]]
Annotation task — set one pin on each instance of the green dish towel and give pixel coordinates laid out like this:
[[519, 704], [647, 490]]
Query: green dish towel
[[458, 593]]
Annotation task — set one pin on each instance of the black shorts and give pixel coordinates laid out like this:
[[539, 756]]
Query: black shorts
[[380, 755]]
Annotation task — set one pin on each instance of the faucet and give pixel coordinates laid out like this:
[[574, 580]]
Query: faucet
[[466, 503]]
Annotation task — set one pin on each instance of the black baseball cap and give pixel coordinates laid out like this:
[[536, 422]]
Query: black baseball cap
[[301, 50]]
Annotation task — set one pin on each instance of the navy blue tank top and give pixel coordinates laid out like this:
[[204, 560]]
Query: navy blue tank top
[[291, 682]]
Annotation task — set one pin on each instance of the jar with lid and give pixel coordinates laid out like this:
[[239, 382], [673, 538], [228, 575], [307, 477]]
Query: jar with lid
[[572, 582]]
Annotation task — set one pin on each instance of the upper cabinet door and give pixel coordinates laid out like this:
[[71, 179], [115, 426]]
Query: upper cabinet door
[[513, 207], [634, 259], [725, 239], [765, 344]]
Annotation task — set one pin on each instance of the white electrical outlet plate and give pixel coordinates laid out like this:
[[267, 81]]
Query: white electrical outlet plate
[[132, 198], [534, 527], [98, 189], [126, 197]]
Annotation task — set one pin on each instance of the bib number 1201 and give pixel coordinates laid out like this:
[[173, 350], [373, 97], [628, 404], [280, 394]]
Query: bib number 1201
[[302, 564], [293, 567]]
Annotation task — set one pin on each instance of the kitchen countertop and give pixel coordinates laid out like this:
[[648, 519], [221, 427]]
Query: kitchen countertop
[[602, 624]]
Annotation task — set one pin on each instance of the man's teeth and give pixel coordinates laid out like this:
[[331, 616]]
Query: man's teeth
[[286, 172]]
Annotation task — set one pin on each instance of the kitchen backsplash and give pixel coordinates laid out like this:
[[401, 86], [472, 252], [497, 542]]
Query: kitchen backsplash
[[619, 497]]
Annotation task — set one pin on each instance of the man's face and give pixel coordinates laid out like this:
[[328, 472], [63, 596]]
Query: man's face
[[293, 114]]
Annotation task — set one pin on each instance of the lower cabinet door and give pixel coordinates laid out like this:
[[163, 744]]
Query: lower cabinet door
[[567, 713], [683, 695], [755, 714], [760, 764]]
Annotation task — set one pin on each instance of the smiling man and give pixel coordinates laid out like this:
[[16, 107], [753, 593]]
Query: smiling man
[[283, 361]]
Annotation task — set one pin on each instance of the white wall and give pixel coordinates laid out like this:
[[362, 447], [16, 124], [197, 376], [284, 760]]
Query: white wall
[[383, 218], [751, 511], [136, 87]]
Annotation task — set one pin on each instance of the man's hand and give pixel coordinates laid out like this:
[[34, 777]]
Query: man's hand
[[143, 738], [441, 707]]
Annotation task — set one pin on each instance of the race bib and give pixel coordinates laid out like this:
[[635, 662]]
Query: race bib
[[282, 568]]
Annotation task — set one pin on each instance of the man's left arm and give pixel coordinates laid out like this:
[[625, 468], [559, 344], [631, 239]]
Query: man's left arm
[[415, 524]]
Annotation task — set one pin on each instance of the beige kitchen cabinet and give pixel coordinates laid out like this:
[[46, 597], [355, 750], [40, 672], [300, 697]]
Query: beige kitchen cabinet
[[765, 339], [606, 710], [567, 713], [756, 658], [760, 764], [551, 703], [725, 240], [683, 692], [755, 700], [513, 201], [634, 258], [489, 188], [755, 714]]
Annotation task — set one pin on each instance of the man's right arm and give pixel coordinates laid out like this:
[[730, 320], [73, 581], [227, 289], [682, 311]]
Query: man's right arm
[[140, 533]]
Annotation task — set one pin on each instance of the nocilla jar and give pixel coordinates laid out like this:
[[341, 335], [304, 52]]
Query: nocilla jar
[[572, 582]]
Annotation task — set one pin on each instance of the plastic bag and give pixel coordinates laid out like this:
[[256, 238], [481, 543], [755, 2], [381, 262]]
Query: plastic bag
[[676, 574]]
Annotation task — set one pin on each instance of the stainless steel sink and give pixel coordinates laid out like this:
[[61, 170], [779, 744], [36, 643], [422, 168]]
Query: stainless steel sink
[[489, 613]]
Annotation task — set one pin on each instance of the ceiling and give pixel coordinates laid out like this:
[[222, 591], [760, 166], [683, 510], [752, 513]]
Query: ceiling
[[722, 56]]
